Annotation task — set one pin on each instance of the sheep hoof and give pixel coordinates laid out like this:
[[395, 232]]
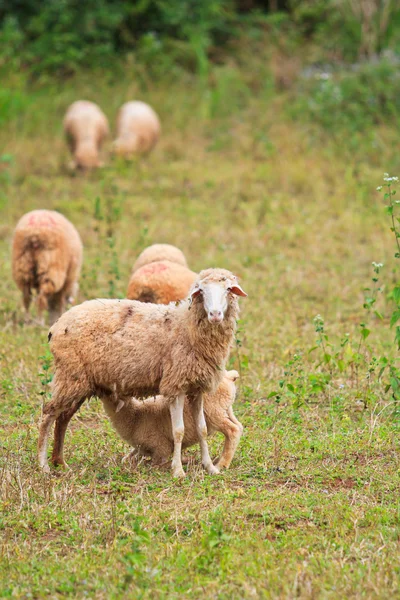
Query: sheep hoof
[[178, 473], [221, 465], [211, 469], [61, 463]]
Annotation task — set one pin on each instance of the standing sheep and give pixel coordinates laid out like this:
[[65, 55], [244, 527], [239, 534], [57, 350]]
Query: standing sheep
[[138, 129], [158, 252], [47, 258], [86, 127], [160, 282], [146, 424], [129, 348]]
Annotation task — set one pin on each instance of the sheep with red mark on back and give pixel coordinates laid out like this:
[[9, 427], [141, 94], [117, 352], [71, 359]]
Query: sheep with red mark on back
[[46, 258]]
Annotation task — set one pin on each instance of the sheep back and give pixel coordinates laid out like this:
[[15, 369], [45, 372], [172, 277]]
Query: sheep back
[[157, 252], [160, 282], [138, 128], [45, 245]]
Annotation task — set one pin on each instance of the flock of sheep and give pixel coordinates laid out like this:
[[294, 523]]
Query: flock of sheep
[[157, 359], [86, 127]]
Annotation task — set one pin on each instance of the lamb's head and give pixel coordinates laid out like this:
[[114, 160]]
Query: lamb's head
[[215, 289]]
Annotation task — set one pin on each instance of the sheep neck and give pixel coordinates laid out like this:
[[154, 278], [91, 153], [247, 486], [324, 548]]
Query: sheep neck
[[212, 341]]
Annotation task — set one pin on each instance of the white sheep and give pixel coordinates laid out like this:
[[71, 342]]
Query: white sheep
[[129, 348], [138, 129], [146, 424], [157, 252], [47, 258], [160, 282], [86, 127]]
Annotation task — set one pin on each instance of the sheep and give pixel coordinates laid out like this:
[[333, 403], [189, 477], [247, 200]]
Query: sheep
[[146, 424], [138, 129], [158, 252], [47, 258], [86, 127], [160, 282], [128, 348]]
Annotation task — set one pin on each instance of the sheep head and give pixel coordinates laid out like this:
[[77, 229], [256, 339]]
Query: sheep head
[[215, 288]]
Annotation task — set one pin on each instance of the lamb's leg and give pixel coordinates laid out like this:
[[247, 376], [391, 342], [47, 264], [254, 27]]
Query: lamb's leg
[[232, 430], [196, 406], [60, 429], [178, 431]]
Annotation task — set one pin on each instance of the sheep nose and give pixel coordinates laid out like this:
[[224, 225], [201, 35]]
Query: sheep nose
[[215, 316]]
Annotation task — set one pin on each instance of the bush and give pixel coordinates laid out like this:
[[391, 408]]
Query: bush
[[350, 100]]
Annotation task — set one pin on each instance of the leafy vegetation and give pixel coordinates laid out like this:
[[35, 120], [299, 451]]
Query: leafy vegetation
[[64, 36]]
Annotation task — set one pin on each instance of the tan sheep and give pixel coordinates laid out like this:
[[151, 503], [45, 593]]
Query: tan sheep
[[160, 282], [47, 258], [158, 252], [86, 127], [138, 129], [146, 424], [127, 348]]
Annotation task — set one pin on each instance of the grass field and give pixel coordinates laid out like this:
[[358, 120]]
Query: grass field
[[310, 506]]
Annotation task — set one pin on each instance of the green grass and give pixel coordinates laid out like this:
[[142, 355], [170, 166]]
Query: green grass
[[310, 505]]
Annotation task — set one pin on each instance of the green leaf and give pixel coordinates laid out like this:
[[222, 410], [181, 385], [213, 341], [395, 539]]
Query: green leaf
[[397, 337], [365, 333], [396, 294], [395, 317]]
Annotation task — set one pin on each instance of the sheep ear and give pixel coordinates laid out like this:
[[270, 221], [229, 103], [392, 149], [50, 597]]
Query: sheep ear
[[232, 375], [237, 290], [194, 293]]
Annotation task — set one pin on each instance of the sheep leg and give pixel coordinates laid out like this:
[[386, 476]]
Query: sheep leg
[[178, 431], [196, 407], [42, 305], [60, 429], [44, 432], [26, 298], [56, 306], [232, 430]]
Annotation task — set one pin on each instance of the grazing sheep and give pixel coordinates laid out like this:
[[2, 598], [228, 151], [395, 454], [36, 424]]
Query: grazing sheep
[[138, 129], [46, 257], [128, 348], [158, 252], [146, 424], [160, 282], [86, 127]]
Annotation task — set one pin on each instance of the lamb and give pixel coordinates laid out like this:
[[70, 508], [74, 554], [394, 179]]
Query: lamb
[[160, 282], [138, 129], [127, 348], [46, 257], [146, 424], [86, 127], [158, 252]]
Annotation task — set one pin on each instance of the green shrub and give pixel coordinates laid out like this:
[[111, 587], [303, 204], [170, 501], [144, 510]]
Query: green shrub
[[350, 100]]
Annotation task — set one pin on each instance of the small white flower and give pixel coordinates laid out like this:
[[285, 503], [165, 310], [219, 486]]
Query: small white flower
[[379, 188]]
